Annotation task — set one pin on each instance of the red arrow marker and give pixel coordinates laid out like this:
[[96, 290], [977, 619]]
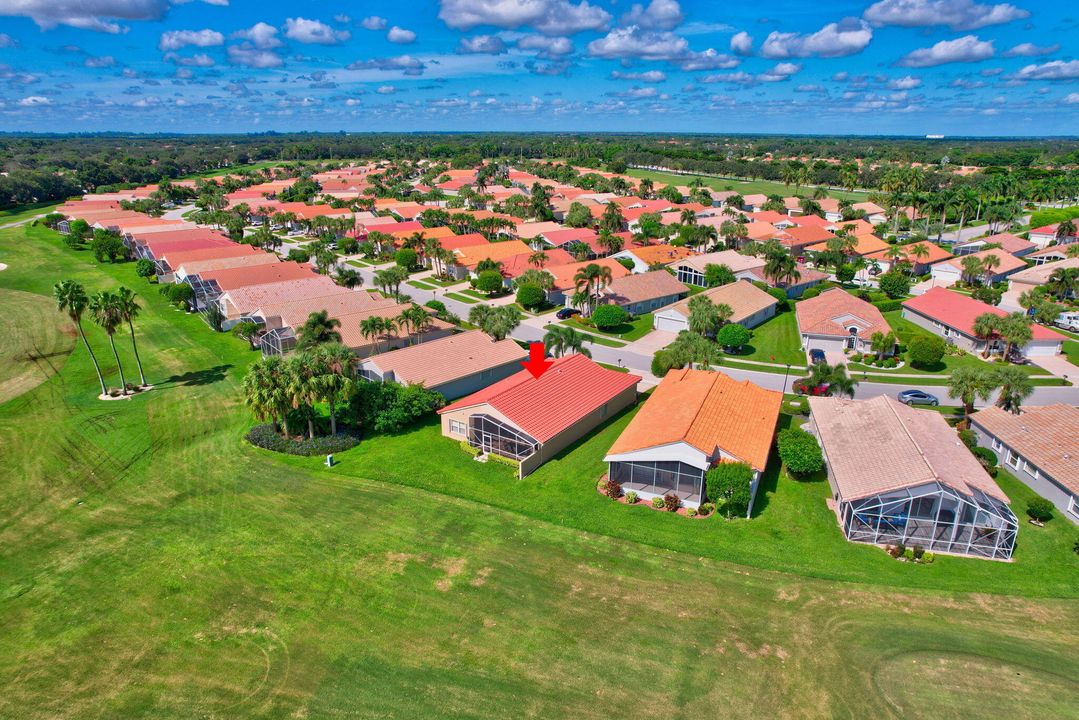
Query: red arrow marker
[[537, 363]]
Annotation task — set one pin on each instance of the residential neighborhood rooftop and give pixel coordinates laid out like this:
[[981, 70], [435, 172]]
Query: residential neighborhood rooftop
[[1047, 436], [441, 361]]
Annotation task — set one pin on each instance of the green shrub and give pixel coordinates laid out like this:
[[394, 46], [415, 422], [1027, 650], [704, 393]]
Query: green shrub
[[908, 554], [727, 485], [145, 268], [857, 357], [925, 351], [489, 281], [437, 305], [894, 284], [889, 362], [888, 305], [662, 362], [531, 296], [1040, 509], [657, 502], [918, 551], [706, 508], [969, 439], [928, 557], [846, 273], [631, 498], [811, 293], [406, 258], [502, 460], [987, 457], [264, 436], [609, 316], [298, 255], [799, 451], [691, 512], [733, 335], [348, 246], [473, 451], [391, 407]]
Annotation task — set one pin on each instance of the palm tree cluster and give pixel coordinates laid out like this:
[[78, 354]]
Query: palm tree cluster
[[561, 340], [832, 377], [497, 321], [590, 281], [1015, 329], [276, 386], [971, 384], [110, 311]]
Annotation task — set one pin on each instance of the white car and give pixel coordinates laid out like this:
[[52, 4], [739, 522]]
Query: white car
[[1068, 321]]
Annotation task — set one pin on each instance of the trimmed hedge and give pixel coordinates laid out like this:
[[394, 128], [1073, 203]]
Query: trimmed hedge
[[265, 437], [888, 305]]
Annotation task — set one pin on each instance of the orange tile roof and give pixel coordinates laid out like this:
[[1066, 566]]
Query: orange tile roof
[[176, 259], [834, 311], [709, 411], [201, 267], [471, 255], [1008, 262], [260, 275], [563, 274], [936, 254], [863, 245], [666, 254]]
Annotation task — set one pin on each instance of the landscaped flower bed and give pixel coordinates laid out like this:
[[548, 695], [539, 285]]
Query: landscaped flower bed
[[267, 438], [670, 503]]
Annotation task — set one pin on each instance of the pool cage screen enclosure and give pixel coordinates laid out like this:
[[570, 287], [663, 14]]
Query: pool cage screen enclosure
[[491, 435], [934, 517]]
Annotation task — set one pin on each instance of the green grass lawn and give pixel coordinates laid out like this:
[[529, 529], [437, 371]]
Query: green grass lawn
[[775, 341], [635, 329], [152, 564], [420, 284], [745, 187], [1071, 351], [462, 298]]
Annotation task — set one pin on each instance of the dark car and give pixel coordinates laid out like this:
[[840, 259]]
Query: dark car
[[918, 397], [566, 313], [816, 356]]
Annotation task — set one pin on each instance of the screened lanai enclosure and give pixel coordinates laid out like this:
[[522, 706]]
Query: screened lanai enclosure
[[277, 341], [934, 517], [660, 478], [491, 435]]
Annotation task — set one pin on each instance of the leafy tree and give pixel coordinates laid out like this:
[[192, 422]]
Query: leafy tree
[[926, 351], [298, 255], [405, 258], [107, 246], [609, 316], [498, 322], [716, 275], [728, 485], [578, 216], [489, 281], [318, 329], [799, 451], [247, 330], [71, 298], [145, 268], [1015, 387], [390, 407], [845, 273], [530, 296], [733, 335], [894, 284], [1040, 509]]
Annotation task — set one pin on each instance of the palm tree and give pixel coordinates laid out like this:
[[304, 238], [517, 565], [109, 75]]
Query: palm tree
[[335, 384], [984, 327], [610, 242], [781, 268], [591, 279], [1065, 230], [264, 388], [881, 343], [972, 268], [920, 252], [969, 384], [1016, 331], [105, 309], [318, 329], [301, 386], [561, 340], [840, 383], [703, 316], [372, 328], [71, 298], [1015, 387], [1063, 282], [129, 310], [347, 277], [989, 262]]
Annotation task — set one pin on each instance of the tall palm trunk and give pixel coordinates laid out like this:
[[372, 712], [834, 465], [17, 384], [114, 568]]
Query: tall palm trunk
[[310, 427], [93, 358], [123, 382], [135, 348], [333, 418]]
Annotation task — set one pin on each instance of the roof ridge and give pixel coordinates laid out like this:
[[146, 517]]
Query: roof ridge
[[891, 406]]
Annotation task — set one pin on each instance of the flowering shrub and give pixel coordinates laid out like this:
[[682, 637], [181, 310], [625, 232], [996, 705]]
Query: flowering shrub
[[672, 502], [612, 489]]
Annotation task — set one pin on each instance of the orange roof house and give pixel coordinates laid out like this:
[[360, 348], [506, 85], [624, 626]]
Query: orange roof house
[[530, 419], [471, 255], [835, 320], [694, 420]]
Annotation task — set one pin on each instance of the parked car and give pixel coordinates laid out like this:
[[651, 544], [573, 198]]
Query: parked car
[[566, 313], [816, 356], [918, 397], [1068, 321]]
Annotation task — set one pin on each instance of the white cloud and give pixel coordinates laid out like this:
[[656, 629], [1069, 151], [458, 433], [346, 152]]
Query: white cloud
[[386, 90], [400, 36], [546, 46], [96, 15], [649, 76], [965, 49], [34, 101], [742, 43], [248, 55], [262, 35], [632, 42], [314, 32], [342, 18], [199, 60], [707, 60], [103, 61], [782, 71], [810, 89], [550, 17], [176, 39], [847, 37], [637, 93], [6, 41], [403, 63], [657, 15], [908, 82], [1071, 99], [1053, 70], [373, 22], [482, 44], [1030, 50], [956, 14], [779, 73]]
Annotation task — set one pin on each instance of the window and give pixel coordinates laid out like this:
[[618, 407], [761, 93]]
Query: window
[[1073, 506], [457, 427], [997, 444], [1013, 460]]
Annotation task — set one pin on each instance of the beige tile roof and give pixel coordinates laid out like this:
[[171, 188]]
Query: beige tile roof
[[293, 309], [1008, 262], [736, 261], [834, 311], [1039, 274], [353, 338], [879, 445], [643, 287], [707, 410], [226, 263], [248, 299], [743, 297], [1046, 436], [447, 359]]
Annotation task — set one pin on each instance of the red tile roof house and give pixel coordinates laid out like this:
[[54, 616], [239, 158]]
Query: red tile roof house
[[836, 321], [644, 292], [951, 315], [457, 365], [1042, 236], [901, 475], [1040, 446], [951, 271], [1009, 243], [531, 420], [694, 420]]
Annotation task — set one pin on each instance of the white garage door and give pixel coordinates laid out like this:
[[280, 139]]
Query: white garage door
[[670, 323], [1037, 349]]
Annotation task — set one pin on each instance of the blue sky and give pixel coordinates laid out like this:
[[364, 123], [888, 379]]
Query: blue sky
[[957, 67]]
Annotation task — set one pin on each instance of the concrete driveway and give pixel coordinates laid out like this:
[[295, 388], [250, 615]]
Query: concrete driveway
[[653, 341], [1057, 365]]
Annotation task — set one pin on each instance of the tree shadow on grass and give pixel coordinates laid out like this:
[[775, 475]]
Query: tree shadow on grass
[[206, 376]]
